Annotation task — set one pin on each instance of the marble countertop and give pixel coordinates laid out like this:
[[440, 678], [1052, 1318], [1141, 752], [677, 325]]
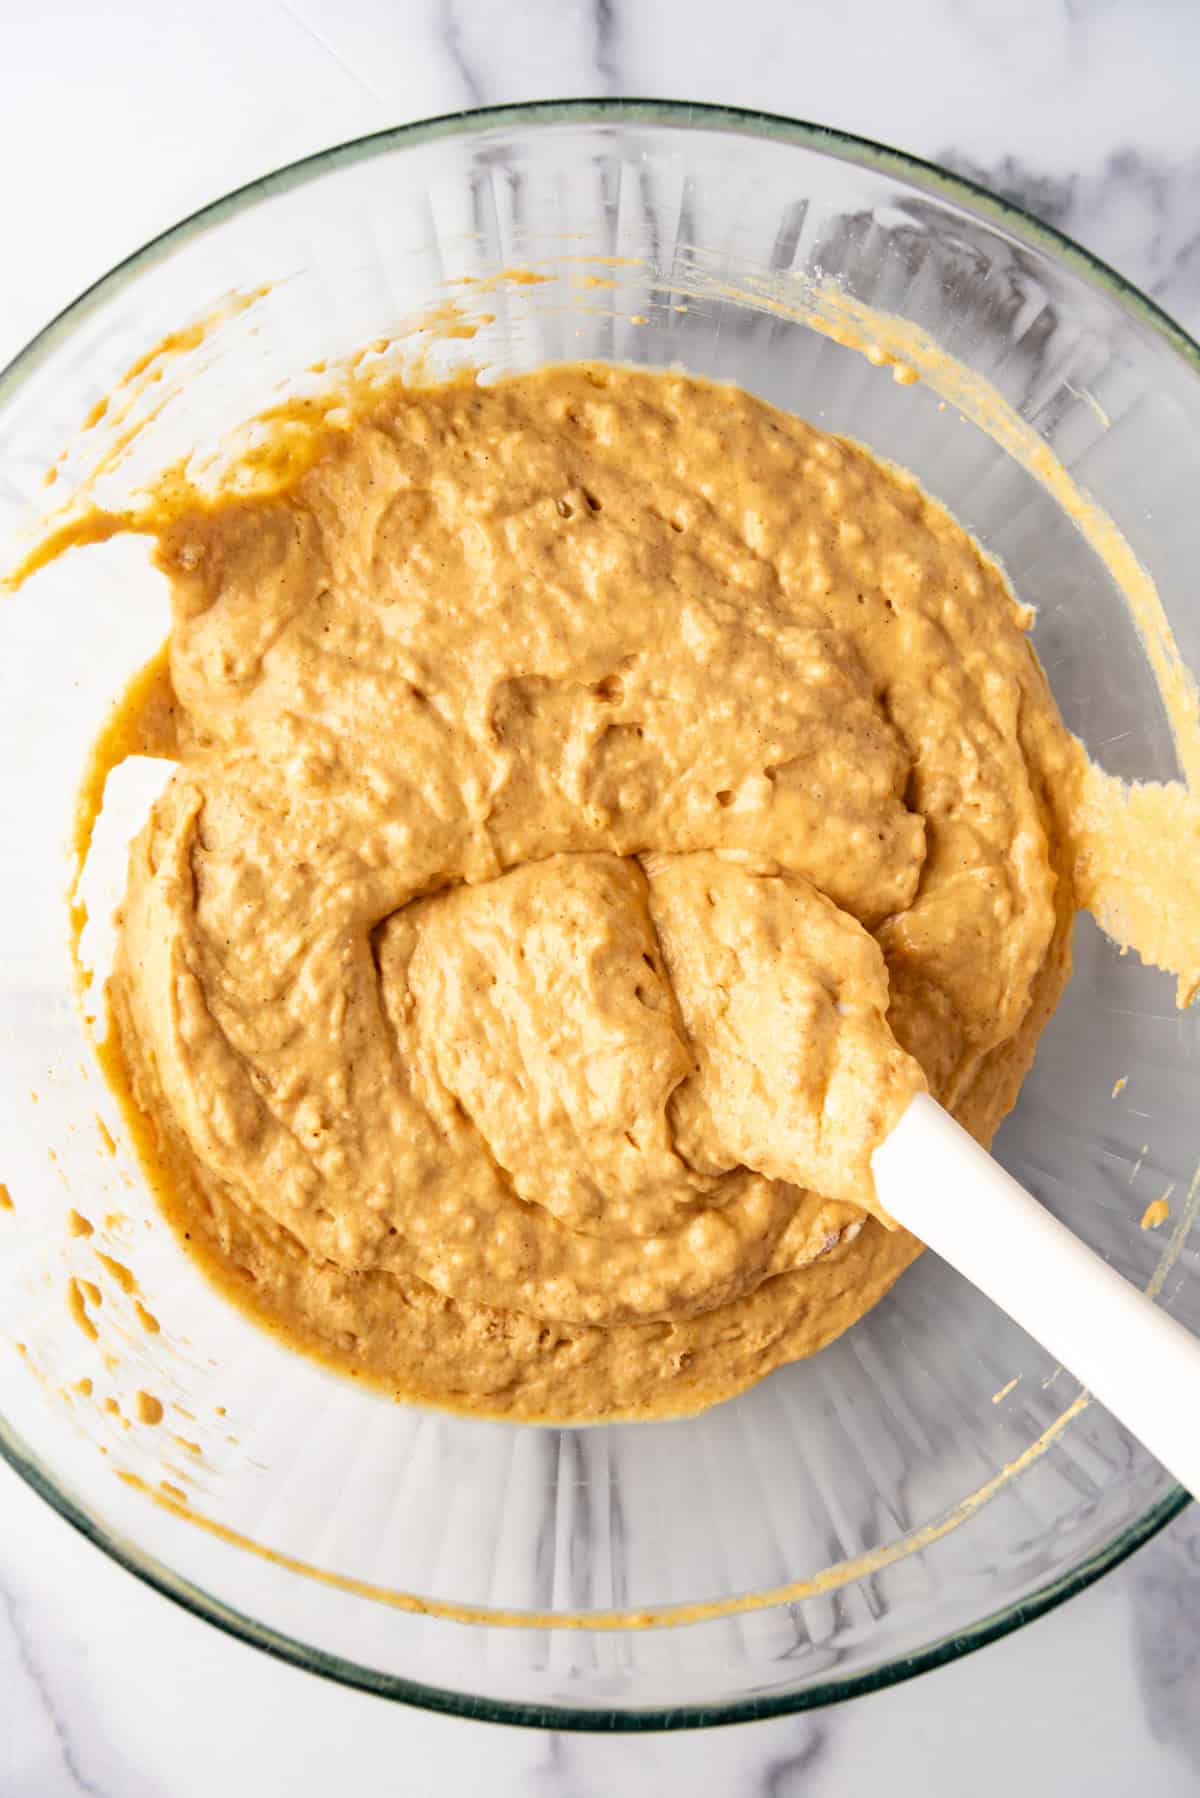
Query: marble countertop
[[116, 121]]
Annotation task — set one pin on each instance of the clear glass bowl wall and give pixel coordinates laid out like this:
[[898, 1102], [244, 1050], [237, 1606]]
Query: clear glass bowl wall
[[889, 1429]]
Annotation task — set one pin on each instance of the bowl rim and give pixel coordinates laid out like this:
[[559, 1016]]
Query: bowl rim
[[677, 115]]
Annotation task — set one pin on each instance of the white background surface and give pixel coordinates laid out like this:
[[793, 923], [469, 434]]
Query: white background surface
[[117, 120]]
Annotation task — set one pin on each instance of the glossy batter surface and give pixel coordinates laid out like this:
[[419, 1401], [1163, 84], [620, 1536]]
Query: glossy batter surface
[[602, 802]]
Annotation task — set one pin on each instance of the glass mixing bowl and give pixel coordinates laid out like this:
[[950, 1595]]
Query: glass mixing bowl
[[913, 1491]]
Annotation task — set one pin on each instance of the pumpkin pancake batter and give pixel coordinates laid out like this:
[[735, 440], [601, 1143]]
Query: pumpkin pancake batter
[[601, 802]]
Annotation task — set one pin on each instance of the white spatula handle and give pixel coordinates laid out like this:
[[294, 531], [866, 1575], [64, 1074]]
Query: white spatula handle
[[935, 1180]]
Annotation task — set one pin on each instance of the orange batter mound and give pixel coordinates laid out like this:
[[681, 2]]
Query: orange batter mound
[[601, 802]]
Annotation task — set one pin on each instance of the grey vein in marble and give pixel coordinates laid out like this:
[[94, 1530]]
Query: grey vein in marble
[[45, 1692], [548, 52], [1165, 1591], [1137, 209], [607, 45], [783, 1758], [788, 1776], [452, 35], [319, 38]]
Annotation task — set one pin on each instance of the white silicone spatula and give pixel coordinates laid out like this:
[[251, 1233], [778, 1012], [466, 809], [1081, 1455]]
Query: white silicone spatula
[[935, 1180]]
